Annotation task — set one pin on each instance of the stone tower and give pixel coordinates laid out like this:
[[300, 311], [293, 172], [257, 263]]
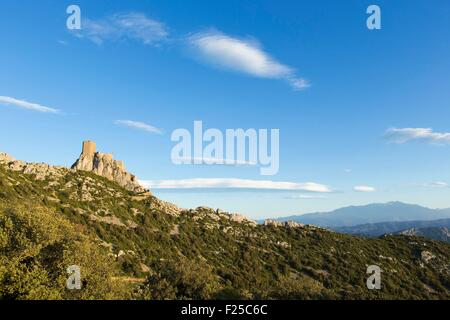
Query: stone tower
[[89, 148]]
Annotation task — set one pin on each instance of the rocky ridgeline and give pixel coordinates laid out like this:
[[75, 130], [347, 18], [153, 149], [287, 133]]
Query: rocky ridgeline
[[101, 164], [104, 165], [204, 212], [40, 170]]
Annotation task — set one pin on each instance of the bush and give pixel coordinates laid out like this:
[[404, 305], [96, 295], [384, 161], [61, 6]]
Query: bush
[[181, 279]]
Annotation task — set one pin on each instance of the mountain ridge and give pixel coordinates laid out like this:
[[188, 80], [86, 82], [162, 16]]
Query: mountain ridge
[[381, 228], [371, 213]]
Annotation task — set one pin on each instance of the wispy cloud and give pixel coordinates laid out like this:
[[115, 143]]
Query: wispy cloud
[[135, 26], [218, 161], [404, 135], [305, 197], [364, 189], [214, 47], [244, 56], [436, 184], [26, 105], [138, 125], [235, 184]]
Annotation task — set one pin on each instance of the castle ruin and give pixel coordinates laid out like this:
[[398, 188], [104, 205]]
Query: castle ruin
[[104, 165]]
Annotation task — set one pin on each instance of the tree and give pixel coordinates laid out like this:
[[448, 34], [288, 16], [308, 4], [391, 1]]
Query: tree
[[36, 248]]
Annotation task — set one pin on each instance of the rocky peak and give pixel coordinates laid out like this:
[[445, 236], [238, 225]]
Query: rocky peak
[[104, 165]]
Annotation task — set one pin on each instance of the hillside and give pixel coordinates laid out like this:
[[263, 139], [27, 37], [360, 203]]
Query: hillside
[[134, 246], [442, 234], [372, 213], [378, 229]]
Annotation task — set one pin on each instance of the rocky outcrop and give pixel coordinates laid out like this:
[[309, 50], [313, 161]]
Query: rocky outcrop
[[287, 224], [293, 224], [4, 157], [273, 223], [426, 256], [166, 207], [241, 219], [104, 165]]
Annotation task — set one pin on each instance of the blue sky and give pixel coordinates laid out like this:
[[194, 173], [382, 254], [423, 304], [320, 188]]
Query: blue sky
[[363, 113]]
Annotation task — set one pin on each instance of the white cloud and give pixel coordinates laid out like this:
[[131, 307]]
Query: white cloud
[[437, 184], [138, 125], [364, 189], [305, 197], [219, 161], [26, 105], [243, 56], [298, 83], [235, 184], [134, 26], [404, 135]]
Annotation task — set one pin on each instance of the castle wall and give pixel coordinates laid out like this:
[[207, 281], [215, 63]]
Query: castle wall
[[105, 156]]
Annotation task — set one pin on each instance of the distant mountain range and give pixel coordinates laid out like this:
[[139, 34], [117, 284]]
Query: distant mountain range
[[371, 214], [434, 229]]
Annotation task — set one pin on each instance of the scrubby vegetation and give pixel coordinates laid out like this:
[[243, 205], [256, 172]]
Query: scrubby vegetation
[[131, 247], [37, 246]]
